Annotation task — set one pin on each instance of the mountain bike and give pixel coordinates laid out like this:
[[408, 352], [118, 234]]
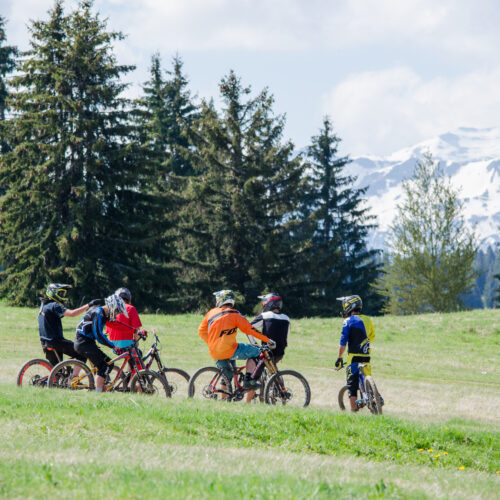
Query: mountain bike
[[368, 395], [177, 379], [35, 372], [139, 380], [287, 387]]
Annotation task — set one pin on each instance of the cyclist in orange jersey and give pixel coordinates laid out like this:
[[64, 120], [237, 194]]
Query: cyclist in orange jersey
[[219, 328]]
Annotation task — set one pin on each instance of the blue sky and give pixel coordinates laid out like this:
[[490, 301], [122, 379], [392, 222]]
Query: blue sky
[[389, 73]]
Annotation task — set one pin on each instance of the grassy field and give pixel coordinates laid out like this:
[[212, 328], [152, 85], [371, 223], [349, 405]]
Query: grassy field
[[439, 436]]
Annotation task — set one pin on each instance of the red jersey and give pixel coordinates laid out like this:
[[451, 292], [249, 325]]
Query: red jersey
[[119, 331]]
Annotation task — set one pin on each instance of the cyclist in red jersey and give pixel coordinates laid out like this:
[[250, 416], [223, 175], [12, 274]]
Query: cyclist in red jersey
[[123, 331]]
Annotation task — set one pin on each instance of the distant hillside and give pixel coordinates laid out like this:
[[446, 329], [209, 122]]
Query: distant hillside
[[471, 157]]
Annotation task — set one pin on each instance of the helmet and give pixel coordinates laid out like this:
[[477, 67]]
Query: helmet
[[57, 292], [124, 293], [271, 301], [116, 306], [224, 297], [350, 303]]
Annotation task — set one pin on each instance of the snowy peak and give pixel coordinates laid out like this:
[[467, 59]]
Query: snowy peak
[[470, 157]]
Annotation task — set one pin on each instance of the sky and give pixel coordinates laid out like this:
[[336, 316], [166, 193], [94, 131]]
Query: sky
[[389, 73]]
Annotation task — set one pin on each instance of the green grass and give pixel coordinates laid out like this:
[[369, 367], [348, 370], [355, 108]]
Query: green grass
[[429, 369]]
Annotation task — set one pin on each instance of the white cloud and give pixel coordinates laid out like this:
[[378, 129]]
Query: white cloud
[[378, 112]]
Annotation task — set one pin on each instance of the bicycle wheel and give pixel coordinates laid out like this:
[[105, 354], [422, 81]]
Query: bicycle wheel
[[149, 383], [35, 372], [177, 381], [289, 388], [209, 383], [375, 404], [62, 377], [343, 398]]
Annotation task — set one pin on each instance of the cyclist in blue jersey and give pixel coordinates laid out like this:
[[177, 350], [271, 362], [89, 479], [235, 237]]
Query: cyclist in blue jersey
[[357, 335], [90, 329], [50, 329]]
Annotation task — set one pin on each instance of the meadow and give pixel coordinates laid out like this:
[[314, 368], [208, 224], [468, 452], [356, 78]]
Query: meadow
[[439, 436]]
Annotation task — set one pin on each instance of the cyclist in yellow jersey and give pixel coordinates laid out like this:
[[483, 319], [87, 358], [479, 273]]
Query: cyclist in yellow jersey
[[357, 335]]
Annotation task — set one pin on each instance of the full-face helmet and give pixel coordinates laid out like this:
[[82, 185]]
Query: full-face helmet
[[350, 303], [125, 294], [271, 301], [223, 297], [58, 292], [116, 305]]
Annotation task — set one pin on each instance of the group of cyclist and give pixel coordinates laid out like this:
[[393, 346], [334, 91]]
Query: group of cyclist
[[115, 323]]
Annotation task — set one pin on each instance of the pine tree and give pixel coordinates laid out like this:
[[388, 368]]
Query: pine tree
[[242, 206], [74, 211], [7, 64], [165, 114], [343, 264], [432, 251]]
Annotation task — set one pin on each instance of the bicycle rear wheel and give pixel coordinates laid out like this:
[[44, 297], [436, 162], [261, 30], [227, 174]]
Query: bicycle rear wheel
[[289, 388], [177, 381], [375, 405], [209, 383], [61, 376], [149, 383], [35, 372]]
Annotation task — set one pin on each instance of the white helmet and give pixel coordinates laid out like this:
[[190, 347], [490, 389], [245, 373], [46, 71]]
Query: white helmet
[[116, 305]]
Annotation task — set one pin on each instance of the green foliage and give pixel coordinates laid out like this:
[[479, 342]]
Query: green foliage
[[340, 262], [7, 64], [74, 210], [430, 264], [237, 223]]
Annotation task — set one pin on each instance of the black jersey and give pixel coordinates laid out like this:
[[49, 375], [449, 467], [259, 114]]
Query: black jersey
[[275, 326]]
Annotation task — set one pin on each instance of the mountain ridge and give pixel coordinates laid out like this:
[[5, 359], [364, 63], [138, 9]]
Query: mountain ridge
[[469, 156]]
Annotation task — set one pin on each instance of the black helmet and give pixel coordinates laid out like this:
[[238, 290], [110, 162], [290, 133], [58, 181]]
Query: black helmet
[[351, 303], [125, 294], [271, 301], [58, 292]]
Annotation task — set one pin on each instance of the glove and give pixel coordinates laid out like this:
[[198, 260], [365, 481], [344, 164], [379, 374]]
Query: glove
[[142, 333], [271, 344], [96, 302], [339, 363]]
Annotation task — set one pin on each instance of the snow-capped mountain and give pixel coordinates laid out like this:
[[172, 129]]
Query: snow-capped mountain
[[470, 157]]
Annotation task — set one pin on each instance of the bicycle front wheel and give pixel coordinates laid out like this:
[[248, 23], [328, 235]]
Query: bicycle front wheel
[[289, 388], [209, 383], [35, 373], [177, 382], [343, 398], [375, 404], [149, 383], [63, 376]]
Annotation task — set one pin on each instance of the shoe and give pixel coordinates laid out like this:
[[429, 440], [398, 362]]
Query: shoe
[[251, 384]]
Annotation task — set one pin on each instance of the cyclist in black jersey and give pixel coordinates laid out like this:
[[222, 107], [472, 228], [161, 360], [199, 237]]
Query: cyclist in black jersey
[[275, 325], [91, 329], [50, 329]]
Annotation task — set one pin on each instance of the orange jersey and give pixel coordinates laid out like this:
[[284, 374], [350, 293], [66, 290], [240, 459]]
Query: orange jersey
[[219, 328]]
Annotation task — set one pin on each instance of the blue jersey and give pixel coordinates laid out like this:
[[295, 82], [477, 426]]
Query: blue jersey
[[92, 324], [49, 321], [357, 333]]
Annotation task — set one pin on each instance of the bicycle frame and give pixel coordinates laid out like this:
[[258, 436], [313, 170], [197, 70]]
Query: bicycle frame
[[264, 359], [153, 355], [130, 355]]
